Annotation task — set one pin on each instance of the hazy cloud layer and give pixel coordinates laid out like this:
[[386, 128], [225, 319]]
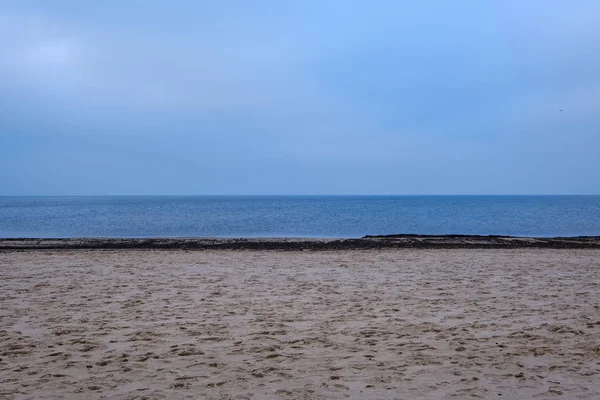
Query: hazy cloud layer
[[318, 97]]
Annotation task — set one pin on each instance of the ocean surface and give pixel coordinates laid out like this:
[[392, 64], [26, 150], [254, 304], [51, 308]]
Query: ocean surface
[[297, 216]]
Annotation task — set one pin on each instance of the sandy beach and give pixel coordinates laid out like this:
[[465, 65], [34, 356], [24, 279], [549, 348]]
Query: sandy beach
[[362, 324]]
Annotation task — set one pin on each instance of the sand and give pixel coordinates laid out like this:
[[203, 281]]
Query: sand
[[388, 324]]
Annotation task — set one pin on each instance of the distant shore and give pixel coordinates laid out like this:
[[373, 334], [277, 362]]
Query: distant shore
[[296, 244]]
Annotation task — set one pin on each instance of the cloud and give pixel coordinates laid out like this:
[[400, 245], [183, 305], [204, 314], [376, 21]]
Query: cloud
[[317, 85], [143, 71], [250, 65], [59, 53]]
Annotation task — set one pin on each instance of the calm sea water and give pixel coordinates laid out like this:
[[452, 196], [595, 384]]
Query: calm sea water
[[297, 216]]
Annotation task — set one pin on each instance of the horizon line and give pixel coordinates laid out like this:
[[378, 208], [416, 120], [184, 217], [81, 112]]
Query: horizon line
[[298, 195]]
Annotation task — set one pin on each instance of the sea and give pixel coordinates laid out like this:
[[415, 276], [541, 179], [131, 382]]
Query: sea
[[297, 216]]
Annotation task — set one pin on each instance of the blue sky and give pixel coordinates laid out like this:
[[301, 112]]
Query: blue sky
[[299, 97]]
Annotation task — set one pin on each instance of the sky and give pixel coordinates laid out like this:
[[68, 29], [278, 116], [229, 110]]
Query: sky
[[299, 97]]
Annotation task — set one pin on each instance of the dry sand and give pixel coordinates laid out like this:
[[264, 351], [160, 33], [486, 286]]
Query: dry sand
[[393, 324]]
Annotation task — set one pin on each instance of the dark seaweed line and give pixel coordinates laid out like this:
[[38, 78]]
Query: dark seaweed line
[[366, 243]]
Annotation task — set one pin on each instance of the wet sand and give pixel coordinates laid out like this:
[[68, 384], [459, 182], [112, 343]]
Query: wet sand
[[374, 324]]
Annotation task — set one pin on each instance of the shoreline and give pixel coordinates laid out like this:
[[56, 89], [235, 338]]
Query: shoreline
[[400, 241]]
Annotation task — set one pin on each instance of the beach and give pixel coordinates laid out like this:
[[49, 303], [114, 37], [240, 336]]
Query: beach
[[392, 323]]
